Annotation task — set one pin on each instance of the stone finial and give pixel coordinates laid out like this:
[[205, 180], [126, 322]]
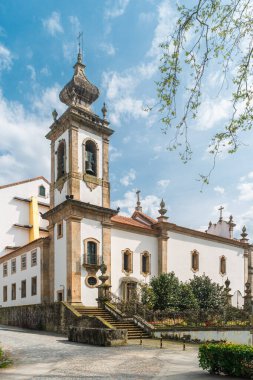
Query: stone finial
[[138, 203], [231, 226], [55, 114], [104, 111], [210, 224], [162, 210], [247, 298], [227, 290], [244, 235], [227, 283]]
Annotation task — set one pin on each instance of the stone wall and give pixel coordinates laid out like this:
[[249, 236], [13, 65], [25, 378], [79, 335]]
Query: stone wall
[[53, 317], [98, 336]]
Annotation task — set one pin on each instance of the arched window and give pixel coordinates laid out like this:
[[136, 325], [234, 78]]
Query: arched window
[[90, 158], [195, 261], [223, 265], [91, 253], [61, 158], [127, 261], [42, 191], [145, 263]]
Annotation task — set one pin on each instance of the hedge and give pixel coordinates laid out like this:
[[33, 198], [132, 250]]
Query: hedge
[[4, 360], [226, 358]]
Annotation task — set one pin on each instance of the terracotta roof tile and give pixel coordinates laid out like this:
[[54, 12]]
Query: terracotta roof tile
[[144, 216], [129, 221]]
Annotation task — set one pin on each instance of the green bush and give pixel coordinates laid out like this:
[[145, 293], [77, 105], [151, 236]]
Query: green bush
[[4, 360], [228, 359]]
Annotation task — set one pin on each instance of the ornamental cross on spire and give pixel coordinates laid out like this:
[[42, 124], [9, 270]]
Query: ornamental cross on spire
[[80, 46], [221, 209]]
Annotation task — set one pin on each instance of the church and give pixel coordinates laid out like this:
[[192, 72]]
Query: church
[[55, 236]]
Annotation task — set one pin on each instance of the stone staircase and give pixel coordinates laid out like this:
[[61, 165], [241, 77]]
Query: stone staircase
[[134, 331]]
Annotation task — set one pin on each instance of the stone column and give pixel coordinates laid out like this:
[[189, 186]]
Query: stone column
[[51, 263], [105, 175], [73, 227], [246, 265], [250, 268], [74, 180], [106, 248], [52, 174], [45, 273], [162, 252]]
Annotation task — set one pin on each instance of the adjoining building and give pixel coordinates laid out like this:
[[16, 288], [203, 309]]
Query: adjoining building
[[55, 237]]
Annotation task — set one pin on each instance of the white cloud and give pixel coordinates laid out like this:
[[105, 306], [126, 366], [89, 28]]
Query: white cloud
[[5, 58], [163, 183], [219, 189], [32, 72], [116, 8], [23, 142], [45, 71], [114, 153], [128, 179], [212, 112], [150, 204], [108, 48], [146, 17], [246, 191], [75, 23], [53, 24], [47, 100]]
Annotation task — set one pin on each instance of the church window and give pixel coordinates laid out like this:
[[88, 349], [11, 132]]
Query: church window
[[127, 261], [42, 191], [90, 158], [23, 289], [5, 293], [13, 292], [34, 258], [34, 286], [145, 263], [61, 158], [223, 265], [23, 262], [91, 253], [13, 266], [59, 230], [5, 269], [195, 261]]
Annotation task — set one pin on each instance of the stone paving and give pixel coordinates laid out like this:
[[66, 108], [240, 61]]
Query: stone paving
[[40, 355]]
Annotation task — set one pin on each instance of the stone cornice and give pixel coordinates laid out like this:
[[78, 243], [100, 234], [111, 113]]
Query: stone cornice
[[78, 209], [206, 236], [25, 248], [135, 229], [75, 118]]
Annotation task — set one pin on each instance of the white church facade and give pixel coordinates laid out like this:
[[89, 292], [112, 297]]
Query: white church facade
[[54, 237]]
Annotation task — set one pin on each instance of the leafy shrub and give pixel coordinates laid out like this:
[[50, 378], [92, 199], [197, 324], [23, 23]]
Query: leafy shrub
[[4, 360], [226, 358]]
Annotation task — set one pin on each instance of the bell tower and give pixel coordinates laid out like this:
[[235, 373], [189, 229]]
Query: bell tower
[[80, 145], [80, 188]]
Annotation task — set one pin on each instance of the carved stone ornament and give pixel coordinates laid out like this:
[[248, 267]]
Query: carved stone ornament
[[91, 181], [60, 183]]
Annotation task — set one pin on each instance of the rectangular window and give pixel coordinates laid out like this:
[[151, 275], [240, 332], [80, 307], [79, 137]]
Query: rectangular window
[[33, 258], [23, 289], [34, 286], [5, 269], [13, 266], [23, 262], [5, 294], [59, 230], [13, 292]]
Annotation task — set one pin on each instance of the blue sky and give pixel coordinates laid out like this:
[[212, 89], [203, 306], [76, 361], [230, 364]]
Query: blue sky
[[38, 48]]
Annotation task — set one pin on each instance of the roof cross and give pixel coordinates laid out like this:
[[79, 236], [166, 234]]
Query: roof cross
[[138, 204], [221, 209]]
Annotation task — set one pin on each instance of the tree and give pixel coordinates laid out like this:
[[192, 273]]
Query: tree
[[208, 33], [186, 299], [208, 294], [165, 289]]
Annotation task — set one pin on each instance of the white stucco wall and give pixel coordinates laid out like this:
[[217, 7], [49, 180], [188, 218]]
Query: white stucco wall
[[60, 262], [89, 229], [16, 211], [94, 196], [136, 243], [179, 260], [16, 278]]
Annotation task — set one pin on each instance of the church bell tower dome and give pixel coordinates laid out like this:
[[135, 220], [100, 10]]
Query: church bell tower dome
[[79, 92]]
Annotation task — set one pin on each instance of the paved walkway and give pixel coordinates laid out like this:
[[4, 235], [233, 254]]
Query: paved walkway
[[39, 355]]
